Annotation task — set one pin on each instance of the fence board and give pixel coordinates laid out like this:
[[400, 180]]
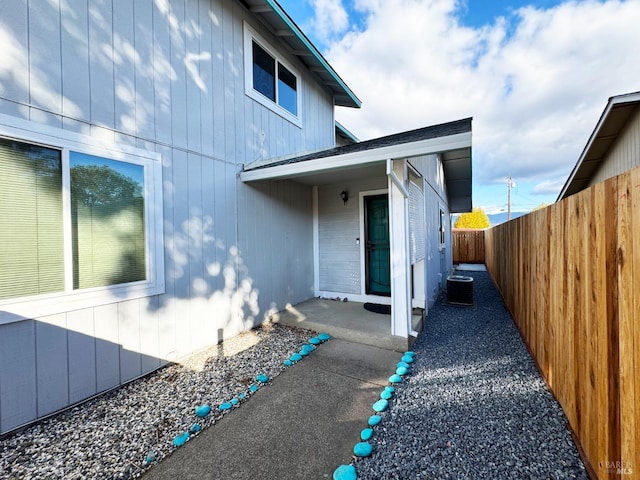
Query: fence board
[[569, 275], [468, 246], [627, 317]]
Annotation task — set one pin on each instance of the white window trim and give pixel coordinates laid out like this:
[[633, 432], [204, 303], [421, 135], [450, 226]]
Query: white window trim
[[250, 35], [442, 224], [32, 307]]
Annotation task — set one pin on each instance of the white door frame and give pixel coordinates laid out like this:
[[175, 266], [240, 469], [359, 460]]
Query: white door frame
[[364, 297]]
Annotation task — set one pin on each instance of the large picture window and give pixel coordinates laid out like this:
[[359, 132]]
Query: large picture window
[[269, 80], [76, 221], [107, 220]]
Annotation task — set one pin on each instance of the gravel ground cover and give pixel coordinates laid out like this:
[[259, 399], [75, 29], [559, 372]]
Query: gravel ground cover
[[110, 436], [474, 405]]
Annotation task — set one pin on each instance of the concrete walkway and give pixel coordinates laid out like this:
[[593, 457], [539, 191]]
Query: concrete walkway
[[304, 425]]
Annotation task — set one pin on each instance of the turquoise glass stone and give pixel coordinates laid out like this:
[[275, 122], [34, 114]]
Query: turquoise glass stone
[[402, 370], [296, 357], [345, 472], [287, 363], [324, 337], [366, 434], [262, 378], [386, 395], [150, 457], [304, 352], [395, 378], [225, 406], [362, 449], [410, 353], [242, 396], [389, 388], [233, 401], [374, 420], [195, 428], [403, 364], [254, 388], [202, 410], [380, 405], [181, 439], [407, 359], [315, 341]]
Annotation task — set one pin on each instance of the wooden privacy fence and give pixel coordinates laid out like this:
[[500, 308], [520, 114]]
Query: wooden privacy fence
[[468, 245], [570, 275]]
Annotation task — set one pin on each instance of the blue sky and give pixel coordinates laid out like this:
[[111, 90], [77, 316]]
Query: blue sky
[[535, 76]]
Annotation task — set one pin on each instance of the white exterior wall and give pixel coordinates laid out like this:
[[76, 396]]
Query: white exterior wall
[[168, 80], [624, 154]]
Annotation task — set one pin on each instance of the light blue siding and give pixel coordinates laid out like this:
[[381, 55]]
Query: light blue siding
[[18, 394], [107, 349], [82, 355], [101, 62], [51, 364], [169, 80], [338, 229], [438, 260]]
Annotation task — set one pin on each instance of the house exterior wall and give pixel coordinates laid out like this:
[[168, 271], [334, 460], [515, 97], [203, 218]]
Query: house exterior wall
[[166, 77], [340, 270], [624, 154], [275, 228], [338, 229], [438, 259]]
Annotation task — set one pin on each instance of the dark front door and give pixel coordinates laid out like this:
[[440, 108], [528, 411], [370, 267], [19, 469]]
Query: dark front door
[[377, 255]]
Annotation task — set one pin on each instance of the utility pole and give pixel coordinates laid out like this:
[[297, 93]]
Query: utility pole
[[510, 185]]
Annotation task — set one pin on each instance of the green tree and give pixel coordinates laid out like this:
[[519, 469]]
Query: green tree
[[476, 219]]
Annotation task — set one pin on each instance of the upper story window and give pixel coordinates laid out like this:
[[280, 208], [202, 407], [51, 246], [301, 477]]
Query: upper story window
[[269, 79], [79, 224]]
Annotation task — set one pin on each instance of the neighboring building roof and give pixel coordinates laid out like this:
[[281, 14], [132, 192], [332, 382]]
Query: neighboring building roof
[[612, 121], [281, 24], [452, 141], [345, 134]]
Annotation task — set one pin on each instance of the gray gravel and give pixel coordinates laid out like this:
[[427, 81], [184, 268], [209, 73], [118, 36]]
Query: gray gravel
[[110, 436], [474, 405]]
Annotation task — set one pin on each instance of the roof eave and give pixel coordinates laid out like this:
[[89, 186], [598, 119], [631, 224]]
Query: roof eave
[[381, 154], [570, 187], [342, 95]]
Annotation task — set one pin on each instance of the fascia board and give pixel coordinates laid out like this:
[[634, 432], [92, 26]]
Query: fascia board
[[325, 164], [314, 51]]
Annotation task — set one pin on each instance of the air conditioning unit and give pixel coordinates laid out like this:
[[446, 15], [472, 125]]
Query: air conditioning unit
[[460, 290]]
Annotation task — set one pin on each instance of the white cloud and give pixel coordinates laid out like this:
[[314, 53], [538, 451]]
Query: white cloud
[[330, 19], [535, 82], [548, 187]]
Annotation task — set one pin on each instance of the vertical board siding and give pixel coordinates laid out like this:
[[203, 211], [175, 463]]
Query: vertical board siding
[[569, 274], [107, 347], [167, 77], [76, 94], [81, 344], [101, 63], [338, 229], [51, 364], [275, 225], [18, 385], [468, 245]]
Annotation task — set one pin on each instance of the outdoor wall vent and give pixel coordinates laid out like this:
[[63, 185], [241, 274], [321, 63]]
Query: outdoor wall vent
[[460, 290]]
